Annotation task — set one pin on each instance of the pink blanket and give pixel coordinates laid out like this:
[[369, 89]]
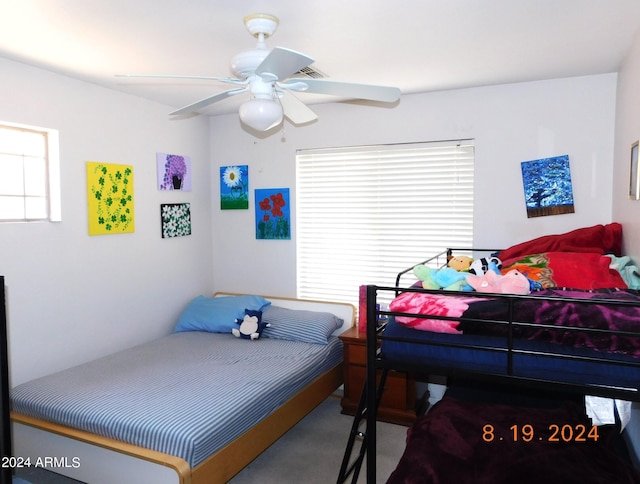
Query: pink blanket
[[433, 305]]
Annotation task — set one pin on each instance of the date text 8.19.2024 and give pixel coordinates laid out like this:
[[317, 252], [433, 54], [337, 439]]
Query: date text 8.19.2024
[[552, 433]]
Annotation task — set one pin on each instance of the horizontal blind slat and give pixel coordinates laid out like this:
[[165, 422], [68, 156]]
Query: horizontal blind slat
[[366, 213]]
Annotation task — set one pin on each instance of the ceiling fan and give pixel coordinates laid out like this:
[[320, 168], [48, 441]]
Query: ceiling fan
[[267, 75]]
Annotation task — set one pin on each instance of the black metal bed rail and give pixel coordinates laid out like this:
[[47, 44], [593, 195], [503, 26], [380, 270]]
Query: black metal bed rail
[[621, 393], [372, 351], [504, 349], [596, 389], [376, 361], [6, 473], [446, 254], [512, 326], [351, 467]]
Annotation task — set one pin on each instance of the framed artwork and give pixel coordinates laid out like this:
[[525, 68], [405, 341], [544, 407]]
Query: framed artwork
[[110, 198], [174, 172], [273, 215], [634, 183], [234, 187], [176, 219], [547, 186]]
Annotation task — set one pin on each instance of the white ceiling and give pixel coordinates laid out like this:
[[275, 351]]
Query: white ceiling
[[416, 45]]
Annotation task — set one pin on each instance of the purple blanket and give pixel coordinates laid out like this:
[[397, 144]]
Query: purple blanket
[[459, 441], [566, 314]]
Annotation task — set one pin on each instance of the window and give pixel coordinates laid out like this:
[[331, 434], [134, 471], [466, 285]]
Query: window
[[29, 174], [366, 213]]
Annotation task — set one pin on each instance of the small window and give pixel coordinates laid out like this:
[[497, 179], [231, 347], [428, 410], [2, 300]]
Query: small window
[[29, 174]]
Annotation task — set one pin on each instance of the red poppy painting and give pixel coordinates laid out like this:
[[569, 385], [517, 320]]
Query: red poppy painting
[[273, 216]]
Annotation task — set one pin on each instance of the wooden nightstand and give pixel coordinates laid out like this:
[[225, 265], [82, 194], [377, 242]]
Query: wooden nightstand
[[398, 404]]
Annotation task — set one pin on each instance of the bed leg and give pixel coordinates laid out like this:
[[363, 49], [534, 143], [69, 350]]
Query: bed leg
[[349, 467], [346, 469]]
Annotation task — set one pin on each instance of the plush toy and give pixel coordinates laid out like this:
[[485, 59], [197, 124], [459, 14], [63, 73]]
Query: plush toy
[[513, 282], [460, 263], [484, 264], [251, 325], [445, 278]]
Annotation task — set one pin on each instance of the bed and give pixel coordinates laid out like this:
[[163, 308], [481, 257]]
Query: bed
[[195, 406], [576, 331]]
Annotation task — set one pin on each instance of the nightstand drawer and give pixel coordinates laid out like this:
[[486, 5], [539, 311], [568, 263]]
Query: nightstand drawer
[[357, 354], [396, 390], [398, 404]]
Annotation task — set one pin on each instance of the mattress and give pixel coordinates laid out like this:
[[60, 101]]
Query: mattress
[[187, 394], [486, 354]]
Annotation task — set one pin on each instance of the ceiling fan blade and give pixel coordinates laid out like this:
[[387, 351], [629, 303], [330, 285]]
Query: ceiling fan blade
[[192, 108], [295, 110], [281, 63], [230, 80], [344, 89]]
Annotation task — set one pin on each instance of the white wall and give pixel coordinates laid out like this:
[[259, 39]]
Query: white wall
[[627, 211], [510, 124], [71, 296]]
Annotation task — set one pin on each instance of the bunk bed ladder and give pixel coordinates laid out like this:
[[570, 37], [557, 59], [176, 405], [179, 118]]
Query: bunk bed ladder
[[354, 466]]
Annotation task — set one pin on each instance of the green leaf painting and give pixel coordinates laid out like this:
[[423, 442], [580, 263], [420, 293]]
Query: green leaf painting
[[110, 198]]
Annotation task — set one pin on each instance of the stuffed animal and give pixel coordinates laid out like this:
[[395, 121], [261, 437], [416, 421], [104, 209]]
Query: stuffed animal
[[484, 264], [251, 325], [513, 282], [460, 263], [445, 278]]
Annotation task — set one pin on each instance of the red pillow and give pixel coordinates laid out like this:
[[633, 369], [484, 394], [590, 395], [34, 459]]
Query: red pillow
[[576, 270], [599, 239]]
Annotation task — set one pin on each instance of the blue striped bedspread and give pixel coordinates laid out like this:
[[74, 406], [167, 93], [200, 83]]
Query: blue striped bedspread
[[186, 394]]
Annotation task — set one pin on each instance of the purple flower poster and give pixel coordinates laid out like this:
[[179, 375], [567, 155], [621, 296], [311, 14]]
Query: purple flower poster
[[174, 172]]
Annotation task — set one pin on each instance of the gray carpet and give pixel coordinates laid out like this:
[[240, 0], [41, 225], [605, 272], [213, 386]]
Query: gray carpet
[[311, 452], [37, 475]]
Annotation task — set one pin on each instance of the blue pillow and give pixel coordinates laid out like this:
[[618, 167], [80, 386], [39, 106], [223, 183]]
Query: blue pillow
[[217, 314], [299, 324]]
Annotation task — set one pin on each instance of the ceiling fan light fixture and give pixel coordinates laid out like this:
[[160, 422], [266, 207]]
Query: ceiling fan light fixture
[[261, 114], [268, 73]]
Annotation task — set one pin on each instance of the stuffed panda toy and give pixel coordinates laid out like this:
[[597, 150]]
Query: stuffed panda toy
[[480, 266]]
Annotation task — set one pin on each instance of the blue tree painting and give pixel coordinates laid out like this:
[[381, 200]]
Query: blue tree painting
[[547, 186]]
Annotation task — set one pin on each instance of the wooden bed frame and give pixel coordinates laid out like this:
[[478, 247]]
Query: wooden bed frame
[[219, 467]]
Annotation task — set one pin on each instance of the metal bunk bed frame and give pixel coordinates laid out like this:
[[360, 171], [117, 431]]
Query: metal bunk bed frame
[[367, 408]]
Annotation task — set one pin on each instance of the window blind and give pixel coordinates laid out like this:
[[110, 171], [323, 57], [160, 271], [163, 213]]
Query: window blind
[[365, 213]]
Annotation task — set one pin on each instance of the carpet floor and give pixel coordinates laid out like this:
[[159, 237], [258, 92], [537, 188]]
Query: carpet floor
[[37, 475], [311, 452]]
